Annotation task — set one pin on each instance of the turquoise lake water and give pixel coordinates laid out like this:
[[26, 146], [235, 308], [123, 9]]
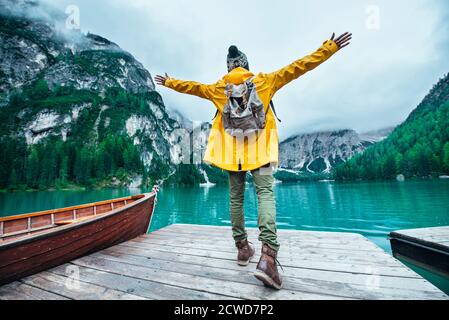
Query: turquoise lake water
[[372, 209]]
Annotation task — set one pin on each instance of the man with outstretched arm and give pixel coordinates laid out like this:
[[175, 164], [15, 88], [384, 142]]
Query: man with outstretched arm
[[232, 154]]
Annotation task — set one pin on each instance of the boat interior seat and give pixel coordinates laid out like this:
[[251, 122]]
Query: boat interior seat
[[66, 222]]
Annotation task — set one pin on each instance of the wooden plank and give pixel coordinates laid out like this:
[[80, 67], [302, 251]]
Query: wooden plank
[[143, 288], [285, 256], [435, 239], [59, 285], [287, 253], [216, 286], [428, 237], [335, 245], [25, 232], [297, 272], [299, 263], [298, 239], [422, 232], [65, 222], [282, 236], [293, 272], [194, 229], [368, 290], [21, 291], [286, 245], [211, 230], [253, 236]]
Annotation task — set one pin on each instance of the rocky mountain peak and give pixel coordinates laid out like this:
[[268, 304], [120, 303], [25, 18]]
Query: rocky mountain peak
[[81, 90], [320, 152]]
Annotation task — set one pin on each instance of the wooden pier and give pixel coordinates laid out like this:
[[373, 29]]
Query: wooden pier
[[427, 248], [183, 262]]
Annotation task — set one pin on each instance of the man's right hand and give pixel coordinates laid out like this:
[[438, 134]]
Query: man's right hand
[[160, 80]]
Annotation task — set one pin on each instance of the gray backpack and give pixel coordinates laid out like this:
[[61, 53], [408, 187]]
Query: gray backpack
[[244, 112]]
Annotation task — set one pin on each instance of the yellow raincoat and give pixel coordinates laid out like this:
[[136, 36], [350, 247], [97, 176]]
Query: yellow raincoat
[[245, 154]]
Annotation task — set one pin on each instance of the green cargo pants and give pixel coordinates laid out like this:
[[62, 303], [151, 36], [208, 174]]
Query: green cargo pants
[[263, 183]]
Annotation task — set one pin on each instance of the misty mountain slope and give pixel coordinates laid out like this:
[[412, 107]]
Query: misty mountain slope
[[376, 136], [438, 95], [419, 147], [320, 152], [80, 104], [199, 136]]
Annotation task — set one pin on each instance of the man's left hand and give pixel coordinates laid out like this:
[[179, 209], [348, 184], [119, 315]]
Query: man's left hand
[[343, 40]]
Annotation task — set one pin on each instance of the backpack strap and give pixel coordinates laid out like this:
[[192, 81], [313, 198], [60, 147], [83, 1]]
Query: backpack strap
[[216, 114], [274, 111]]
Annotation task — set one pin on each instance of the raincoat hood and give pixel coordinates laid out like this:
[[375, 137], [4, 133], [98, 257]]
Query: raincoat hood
[[238, 76]]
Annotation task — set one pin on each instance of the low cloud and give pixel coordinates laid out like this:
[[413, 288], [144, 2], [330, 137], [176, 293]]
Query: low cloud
[[374, 83]]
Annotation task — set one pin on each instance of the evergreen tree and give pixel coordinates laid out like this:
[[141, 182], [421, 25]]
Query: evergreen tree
[[83, 166], [100, 171], [40, 90], [446, 157], [13, 180], [32, 168], [419, 147], [64, 170]]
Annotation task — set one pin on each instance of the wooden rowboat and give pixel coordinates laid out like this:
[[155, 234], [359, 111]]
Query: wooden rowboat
[[38, 241], [427, 248]]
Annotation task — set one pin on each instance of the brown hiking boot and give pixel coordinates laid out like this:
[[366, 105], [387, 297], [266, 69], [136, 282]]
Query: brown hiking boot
[[246, 252], [267, 270]]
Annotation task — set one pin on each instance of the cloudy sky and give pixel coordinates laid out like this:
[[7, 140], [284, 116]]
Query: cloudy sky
[[400, 49]]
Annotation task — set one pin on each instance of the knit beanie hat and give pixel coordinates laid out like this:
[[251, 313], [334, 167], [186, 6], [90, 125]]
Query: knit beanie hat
[[236, 59]]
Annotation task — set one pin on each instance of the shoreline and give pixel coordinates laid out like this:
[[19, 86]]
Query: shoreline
[[278, 182]]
